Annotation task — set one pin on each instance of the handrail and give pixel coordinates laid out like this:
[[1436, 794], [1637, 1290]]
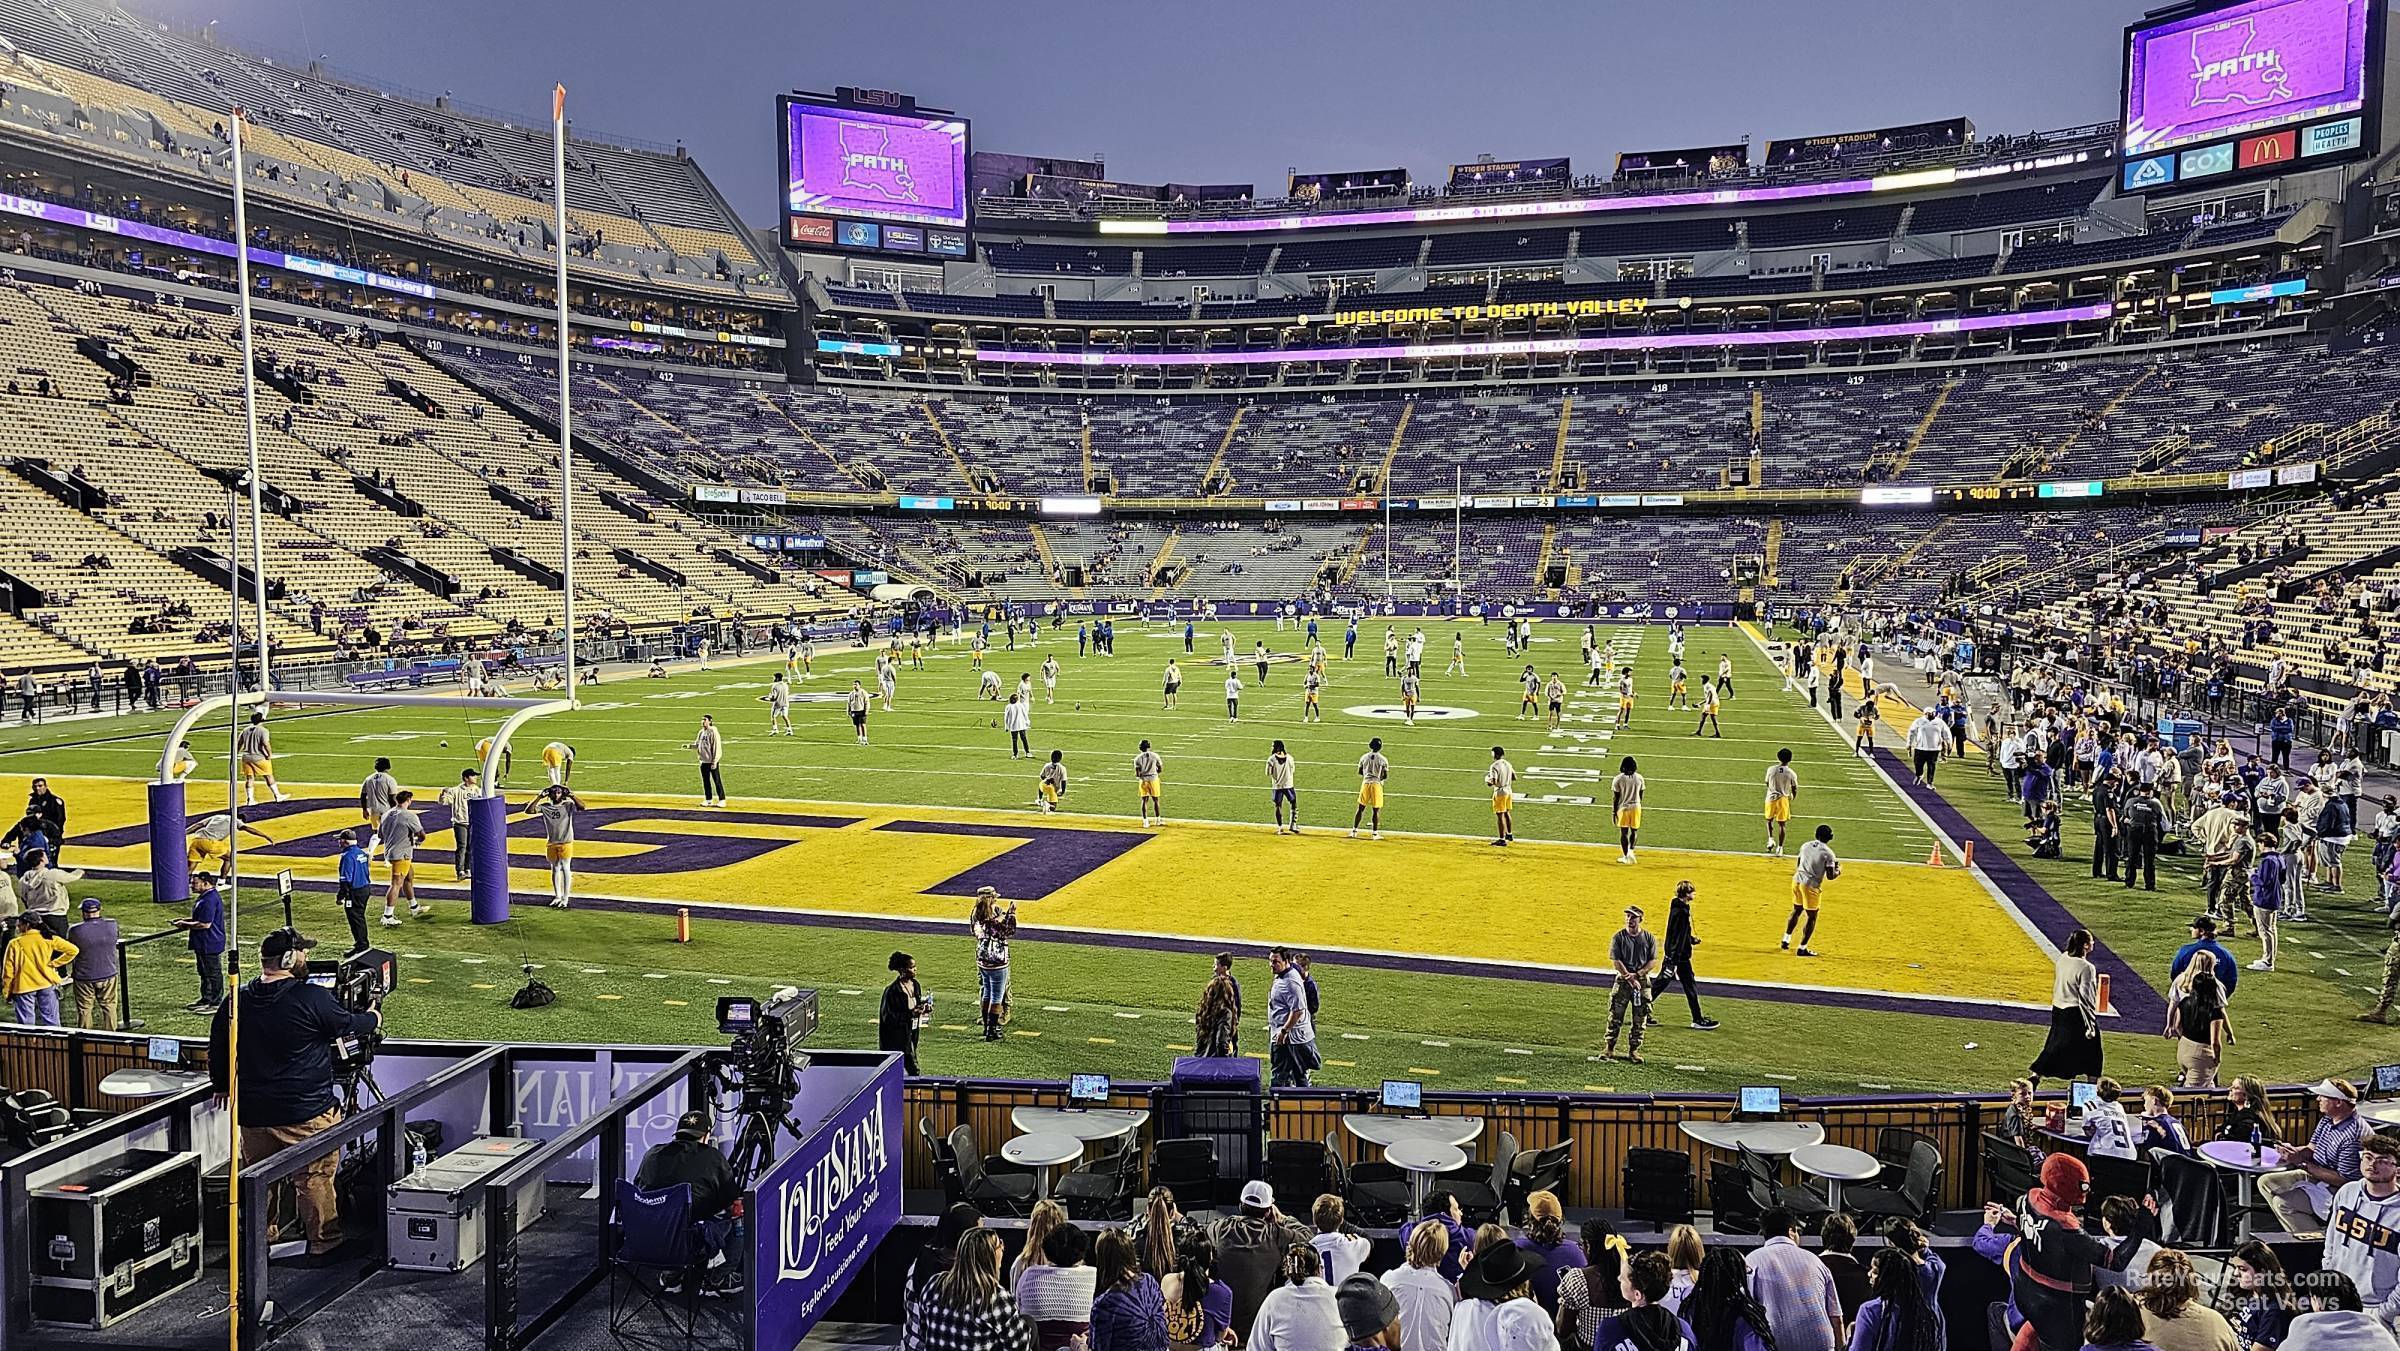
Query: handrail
[[501, 1332]]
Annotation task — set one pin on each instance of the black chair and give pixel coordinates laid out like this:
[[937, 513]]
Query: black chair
[[1378, 1195], [1658, 1186], [2192, 1208], [1538, 1170], [945, 1164], [1485, 1199], [1009, 1194], [2113, 1176], [2008, 1171], [1102, 1188], [1300, 1171], [31, 1117], [1737, 1197], [1912, 1195], [1188, 1168], [657, 1260]]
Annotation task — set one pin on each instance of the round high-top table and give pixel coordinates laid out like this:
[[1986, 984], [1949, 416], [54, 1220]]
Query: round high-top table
[[1096, 1123], [1836, 1164], [1762, 1137], [2233, 1156], [1042, 1151], [147, 1083], [1421, 1158], [1391, 1130]]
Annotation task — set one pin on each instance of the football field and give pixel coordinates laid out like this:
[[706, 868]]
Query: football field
[[1438, 953]]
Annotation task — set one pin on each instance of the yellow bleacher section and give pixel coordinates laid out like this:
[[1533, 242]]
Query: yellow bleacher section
[[151, 455]]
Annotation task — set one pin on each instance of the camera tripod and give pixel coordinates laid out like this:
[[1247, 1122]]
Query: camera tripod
[[754, 1148]]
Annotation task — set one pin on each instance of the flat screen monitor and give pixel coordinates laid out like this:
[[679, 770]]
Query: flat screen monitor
[[2387, 1078], [1087, 1088], [1762, 1101], [2082, 1094], [1406, 1095], [166, 1050]]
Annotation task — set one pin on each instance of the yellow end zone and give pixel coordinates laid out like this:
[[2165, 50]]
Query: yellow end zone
[[1885, 928]]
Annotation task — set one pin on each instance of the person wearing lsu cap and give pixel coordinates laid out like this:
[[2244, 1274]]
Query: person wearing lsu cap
[[691, 1159], [1496, 1309], [2302, 1196], [288, 1093]]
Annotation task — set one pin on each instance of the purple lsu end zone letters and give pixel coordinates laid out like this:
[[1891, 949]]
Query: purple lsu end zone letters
[[2239, 69], [1043, 859], [819, 1211], [876, 166]]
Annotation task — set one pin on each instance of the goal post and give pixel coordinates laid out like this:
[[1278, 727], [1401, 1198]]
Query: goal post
[[487, 813]]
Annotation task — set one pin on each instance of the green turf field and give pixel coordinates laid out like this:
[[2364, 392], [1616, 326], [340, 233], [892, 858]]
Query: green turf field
[[1094, 1004]]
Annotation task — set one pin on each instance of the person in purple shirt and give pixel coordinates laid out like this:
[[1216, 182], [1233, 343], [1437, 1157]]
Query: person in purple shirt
[[205, 936], [1546, 1242], [1906, 1312], [1128, 1314], [1442, 1208], [1725, 1316], [95, 971]]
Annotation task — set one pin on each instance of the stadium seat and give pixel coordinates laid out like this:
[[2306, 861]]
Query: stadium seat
[[2112, 1176], [1658, 1185], [1010, 1194], [2008, 1171], [657, 1258], [1188, 1168], [1738, 1199], [1911, 1192], [1300, 1171], [31, 1117], [2193, 1211], [1485, 1199], [1379, 1193], [1534, 1170], [1103, 1187]]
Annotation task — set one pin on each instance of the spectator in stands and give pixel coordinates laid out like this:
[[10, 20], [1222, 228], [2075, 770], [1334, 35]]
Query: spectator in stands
[[1300, 1313], [2246, 1110], [1128, 1314], [1056, 1293], [1496, 1310], [2302, 1197], [1162, 1231], [1251, 1244], [96, 973], [1341, 1249], [2124, 1223], [1590, 1294], [2173, 1318], [2115, 1323], [2264, 1308], [1424, 1293], [1685, 1254], [1199, 1307], [1836, 1238], [1732, 1308], [1647, 1324], [1791, 1285], [2363, 1217], [1370, 1315], [966, 1308], [2334, 1318], [1545, 1241]]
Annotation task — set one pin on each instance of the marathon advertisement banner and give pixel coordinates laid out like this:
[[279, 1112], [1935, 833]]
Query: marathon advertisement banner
[[818, 1213], [1494, 173]]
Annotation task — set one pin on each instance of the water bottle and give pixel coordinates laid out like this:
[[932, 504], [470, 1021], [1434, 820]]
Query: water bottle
[[417, 1157], [2255, 1147]]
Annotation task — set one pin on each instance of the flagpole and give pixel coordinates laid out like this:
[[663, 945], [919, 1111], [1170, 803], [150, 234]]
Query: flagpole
[[566, 428], [241, 271], [233, 571]]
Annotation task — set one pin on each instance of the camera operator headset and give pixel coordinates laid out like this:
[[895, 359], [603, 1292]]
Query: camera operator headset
[[289, 1090]]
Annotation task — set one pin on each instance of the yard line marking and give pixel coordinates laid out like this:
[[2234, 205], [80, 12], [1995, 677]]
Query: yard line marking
[[1693, 1069], [480, 986], [1026, 1034], [1356, 1036], [473, 961], [1514, 1050], [1869, 1083], [414, 956], [676, 1003], [1420, 1069], [608, 996], [1506, 1079], [1180, 1049], [654, 975], [1787, 1078], [2340, 971], [718, 980], [1056, 1008], [1345, 1064], [1129, 1015], [595, 971], [954, 1027], [420, 980], [1101, 1041], [850, 992], [1443, 1044]]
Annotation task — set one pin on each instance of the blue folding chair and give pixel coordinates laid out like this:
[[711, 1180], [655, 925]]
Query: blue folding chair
[[657, 1243]]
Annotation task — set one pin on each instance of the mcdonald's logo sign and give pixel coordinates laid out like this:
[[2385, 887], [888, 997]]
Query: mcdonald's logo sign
[[2275, 148]]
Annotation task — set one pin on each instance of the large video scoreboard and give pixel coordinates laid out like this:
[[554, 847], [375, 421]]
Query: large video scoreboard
[[2249, 88], [869, 172]]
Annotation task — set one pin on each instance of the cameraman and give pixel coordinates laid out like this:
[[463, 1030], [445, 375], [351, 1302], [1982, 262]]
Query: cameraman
[[691, 1159], [288, 1091]]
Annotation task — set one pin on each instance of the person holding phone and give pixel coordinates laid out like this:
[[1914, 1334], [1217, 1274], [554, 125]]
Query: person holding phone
[[992, 927], [905, 1010]]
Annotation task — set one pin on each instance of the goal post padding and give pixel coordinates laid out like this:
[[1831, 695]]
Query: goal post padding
[[487, 815]]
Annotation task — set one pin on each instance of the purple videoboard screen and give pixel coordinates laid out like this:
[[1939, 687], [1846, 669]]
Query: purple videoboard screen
[[2242, 68], [854, 165]]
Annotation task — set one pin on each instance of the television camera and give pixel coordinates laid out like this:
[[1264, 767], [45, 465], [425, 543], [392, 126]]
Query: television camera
[[359, 983], [759, 1070]]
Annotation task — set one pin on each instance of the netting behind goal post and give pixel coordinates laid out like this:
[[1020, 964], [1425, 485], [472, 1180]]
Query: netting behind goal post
[[487, 813]]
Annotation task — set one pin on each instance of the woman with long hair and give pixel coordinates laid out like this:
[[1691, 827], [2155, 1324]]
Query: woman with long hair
[[2173, 1318], [2264, 1309], [2072, 1050], [934, 1259], [967, 1308], [2246, 1110], [1589, 1294], [2196, 1019], [1902, 1315], [1645, 1324], [1546, 1242], [1129, 1313], [1685, 1253], [1299, 1314], [1723, 1314], [1047, 1215], [1199, 1307], [1161, 1231], [2114, 1323], [1056, 1294], [992, 928]]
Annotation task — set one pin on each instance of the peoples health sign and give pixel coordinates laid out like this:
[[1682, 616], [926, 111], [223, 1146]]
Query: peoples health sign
[[875, 166], [818, 1213], [2253, 65]]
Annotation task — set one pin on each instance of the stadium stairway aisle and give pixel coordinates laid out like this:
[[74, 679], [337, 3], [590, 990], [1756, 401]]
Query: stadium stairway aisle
[[2139, 1006]]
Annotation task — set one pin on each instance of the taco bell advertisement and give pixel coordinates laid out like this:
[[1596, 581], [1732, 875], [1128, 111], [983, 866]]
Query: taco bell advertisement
[[821, 1209]]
